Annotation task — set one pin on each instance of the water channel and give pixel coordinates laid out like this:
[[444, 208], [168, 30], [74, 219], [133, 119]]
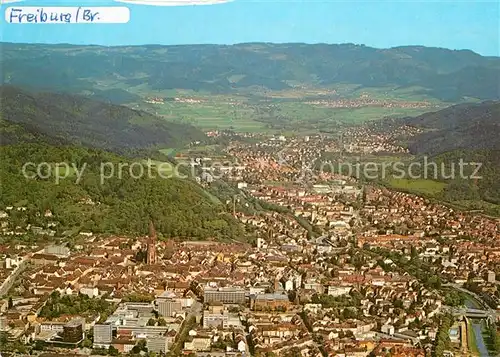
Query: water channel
[[476, 324]]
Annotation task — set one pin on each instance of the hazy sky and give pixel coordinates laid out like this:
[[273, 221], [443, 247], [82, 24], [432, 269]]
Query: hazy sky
[[453, 24]]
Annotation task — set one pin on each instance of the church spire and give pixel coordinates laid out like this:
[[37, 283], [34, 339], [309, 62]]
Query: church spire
[[152, 231], [151, 254]]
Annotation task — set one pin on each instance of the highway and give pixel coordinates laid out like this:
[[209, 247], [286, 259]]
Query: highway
[[7, 283]]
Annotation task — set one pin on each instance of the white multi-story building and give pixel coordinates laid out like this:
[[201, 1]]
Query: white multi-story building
[[103, 335]]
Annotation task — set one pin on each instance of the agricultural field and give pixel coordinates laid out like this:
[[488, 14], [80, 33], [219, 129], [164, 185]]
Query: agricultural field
[[207, 115], [292, 110], [419, 186], [276, 117]]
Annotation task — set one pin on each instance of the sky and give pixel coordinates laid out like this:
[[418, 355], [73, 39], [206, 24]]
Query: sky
[[456, 24]]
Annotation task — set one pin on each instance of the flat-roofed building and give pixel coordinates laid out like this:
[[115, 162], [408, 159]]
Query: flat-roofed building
[[59, 250], [73, 331], [270, 301], [226, 295], [214, 319], [169, 307], [157, 344], [103, 334]]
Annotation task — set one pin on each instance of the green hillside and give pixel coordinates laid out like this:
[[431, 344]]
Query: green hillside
[[98, 190], [464, 126], [82, 121], [467, 189], [13, 133], [465, 133], [121, 204]]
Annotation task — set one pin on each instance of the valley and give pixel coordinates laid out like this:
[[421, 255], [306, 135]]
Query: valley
[[249, 200]]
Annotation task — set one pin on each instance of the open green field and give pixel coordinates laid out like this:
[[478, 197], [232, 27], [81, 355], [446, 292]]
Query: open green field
[[361, 115], [421, 186], [207, 115], [207, 111], [259, 110], [301, 115], [413, 93], [168, 151]]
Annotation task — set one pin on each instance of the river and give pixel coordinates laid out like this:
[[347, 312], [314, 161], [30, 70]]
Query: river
[[481, 345], [477, 327]]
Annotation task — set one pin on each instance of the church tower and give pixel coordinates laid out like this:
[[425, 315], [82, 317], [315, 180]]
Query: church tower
[[151, 248]]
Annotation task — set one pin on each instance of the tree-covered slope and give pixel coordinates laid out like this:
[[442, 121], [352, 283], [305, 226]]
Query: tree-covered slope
[[486, 187], [461, 146], [14, 133], [440, 73], [120, 203], [464, 126], [82, 121]]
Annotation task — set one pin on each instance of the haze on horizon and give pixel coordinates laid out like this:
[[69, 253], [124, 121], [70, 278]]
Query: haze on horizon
[[380, 24]]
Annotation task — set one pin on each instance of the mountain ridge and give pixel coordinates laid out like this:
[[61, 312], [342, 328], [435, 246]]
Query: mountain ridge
[[82, 121], [470, 126], [440, 73]]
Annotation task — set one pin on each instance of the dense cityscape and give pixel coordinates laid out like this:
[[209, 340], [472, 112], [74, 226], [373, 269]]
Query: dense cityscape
[[337, 267], [249, 178]]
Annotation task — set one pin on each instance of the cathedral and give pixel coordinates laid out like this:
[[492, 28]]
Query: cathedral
[[151, 246]]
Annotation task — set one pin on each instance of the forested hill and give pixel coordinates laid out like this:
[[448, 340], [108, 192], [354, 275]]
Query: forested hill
[[99, 192], [120, 204], [486, 188], [465, 133], [463, 126], [443, 74], [15, 133], [27, 116]]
